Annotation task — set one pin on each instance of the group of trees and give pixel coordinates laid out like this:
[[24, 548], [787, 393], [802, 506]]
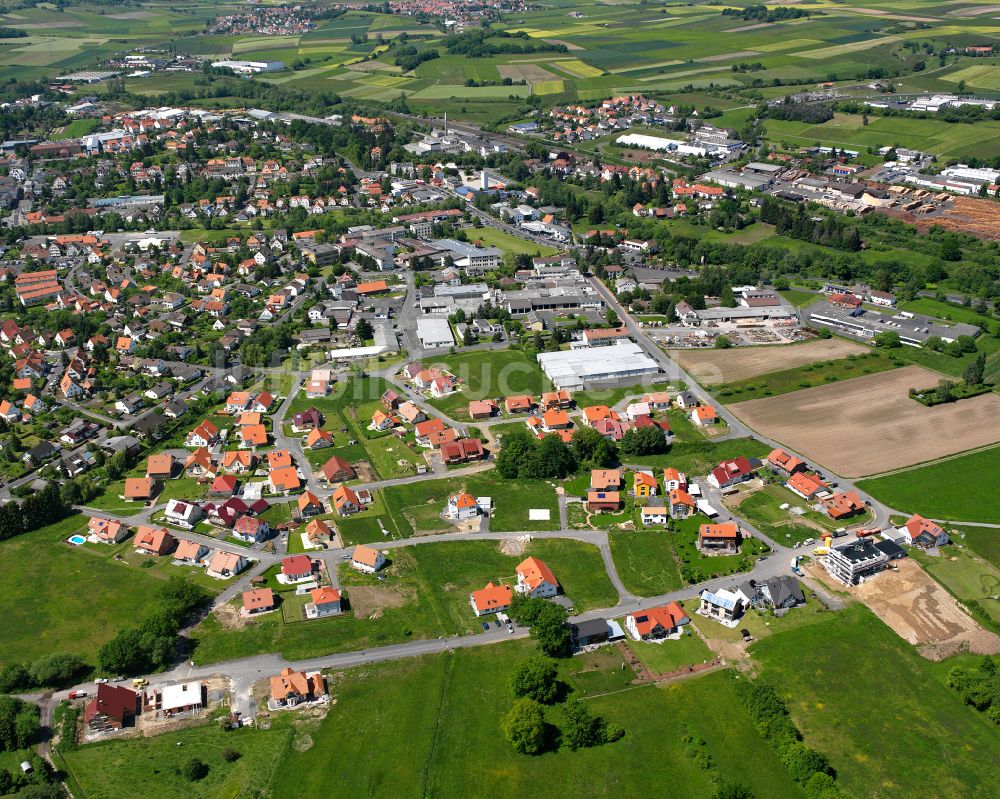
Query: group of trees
[[152, 644], [979, 686], [57, 669], [764, 14], [19, 724], [798, 224], [547, 622], [806, 766], [482, 42], [38, 509], [523, 456], [813, 113], [535, 684]]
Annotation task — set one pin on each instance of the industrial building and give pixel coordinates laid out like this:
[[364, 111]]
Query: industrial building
[[583, 368], [865, 323], [434, 333]]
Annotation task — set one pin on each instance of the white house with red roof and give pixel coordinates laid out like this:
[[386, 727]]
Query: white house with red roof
[[535, 579], [657, 624], [491, 599], [921, 532], [730, 473]]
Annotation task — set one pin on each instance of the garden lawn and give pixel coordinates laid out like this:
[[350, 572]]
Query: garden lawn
[[984, 541], [151, 767], [431, 727], [850, 681], [763, 510], [494, 374], [962, 488], [425, 594], [970, 578], [669, 656]]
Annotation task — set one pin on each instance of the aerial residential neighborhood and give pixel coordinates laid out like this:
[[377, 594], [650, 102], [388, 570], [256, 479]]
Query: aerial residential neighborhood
[[492, 398]]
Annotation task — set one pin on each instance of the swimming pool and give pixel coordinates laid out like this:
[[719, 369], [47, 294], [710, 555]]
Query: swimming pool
[[76, 540]]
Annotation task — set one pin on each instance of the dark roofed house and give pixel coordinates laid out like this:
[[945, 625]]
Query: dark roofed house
[[114, 707], [782, 592], [307, 419]]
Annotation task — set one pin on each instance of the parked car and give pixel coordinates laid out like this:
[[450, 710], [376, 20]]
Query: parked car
[[510, 627], [100, 680], [77, 694], [486, 625]]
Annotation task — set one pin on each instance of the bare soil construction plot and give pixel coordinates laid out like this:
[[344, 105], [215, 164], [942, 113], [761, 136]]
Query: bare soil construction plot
[[869, 424], [711, 367], [923, 613]]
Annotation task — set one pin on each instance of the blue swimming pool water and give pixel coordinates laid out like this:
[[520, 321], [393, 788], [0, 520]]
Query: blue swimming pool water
[[77, 539]]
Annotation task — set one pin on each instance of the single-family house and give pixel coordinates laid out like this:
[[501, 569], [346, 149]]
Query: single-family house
[[519, 403], [107, 531], [601, 501], [160, 466], [462, 506], [806, 484], [644, 485], [367, 559], [223, 565], [719, 539], [703, 416], [291, 688], [491, 599], [785, 463], [730, 473], [723, 605], [411, 413], [781, 592], [284, 480], [654, 515], [205, 434], [345, 500], [843, 505], [535, 579], [657, 624], [183, 514], [154, 541], [921, 532], [462, 450], [482, 409], [681, 503], [606, 480], [190, 552], [258, 600], [139, 489], [323, 601], [296, 568], [337, 470], [112, 708], [250, 529], [309, 504]]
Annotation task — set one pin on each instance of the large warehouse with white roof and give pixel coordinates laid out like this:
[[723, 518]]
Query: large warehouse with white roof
[[587, 366]]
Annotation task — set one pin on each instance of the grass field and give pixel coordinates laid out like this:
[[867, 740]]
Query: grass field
[[491, 237], [961, 488], [814, 374], [646, 561], [834, 674], [61, 598], [430, 727], [112, 769]]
